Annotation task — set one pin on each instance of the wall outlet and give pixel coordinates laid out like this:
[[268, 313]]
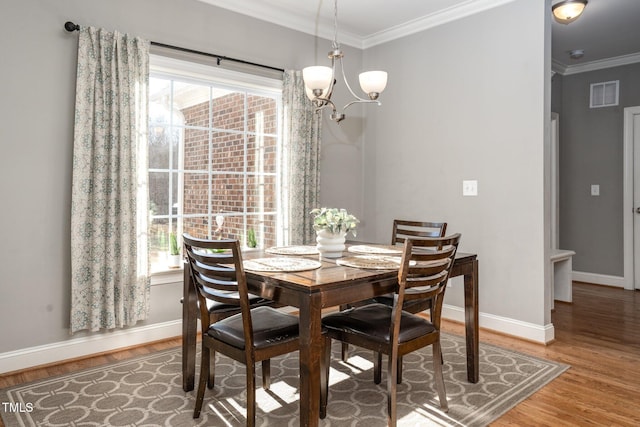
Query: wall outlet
[[470, 188], [595, 190]]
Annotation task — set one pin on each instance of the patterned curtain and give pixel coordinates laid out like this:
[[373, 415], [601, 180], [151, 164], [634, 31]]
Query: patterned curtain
[[300, 158], [109, 261]]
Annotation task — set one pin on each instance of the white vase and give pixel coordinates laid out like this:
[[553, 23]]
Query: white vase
[[330, 245]]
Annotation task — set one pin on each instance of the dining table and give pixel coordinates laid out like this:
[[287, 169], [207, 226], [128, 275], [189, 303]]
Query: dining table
[[330, 284]]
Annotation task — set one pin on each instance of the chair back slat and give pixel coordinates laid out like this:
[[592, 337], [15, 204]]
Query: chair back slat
[[404, 229], [229, 297], [222, 255], [219, 277]]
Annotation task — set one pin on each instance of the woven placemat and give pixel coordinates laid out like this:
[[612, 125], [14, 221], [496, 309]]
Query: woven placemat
[[285, 264], [376, 249], [371, 262], [293, 250]]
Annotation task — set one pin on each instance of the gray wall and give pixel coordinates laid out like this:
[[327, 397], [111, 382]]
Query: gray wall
[[469, 100], [36, 132], [466, 100], [591, 152]]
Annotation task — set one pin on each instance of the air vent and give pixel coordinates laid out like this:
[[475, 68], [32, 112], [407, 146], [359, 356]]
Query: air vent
[[604, 94]]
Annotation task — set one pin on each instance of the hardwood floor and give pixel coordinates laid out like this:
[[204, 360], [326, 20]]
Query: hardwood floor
[[598, 335]]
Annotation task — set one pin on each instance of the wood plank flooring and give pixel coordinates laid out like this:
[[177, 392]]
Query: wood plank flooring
[[598, 335]]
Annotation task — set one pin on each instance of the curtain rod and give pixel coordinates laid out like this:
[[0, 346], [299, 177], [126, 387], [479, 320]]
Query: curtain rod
[[71, 27]]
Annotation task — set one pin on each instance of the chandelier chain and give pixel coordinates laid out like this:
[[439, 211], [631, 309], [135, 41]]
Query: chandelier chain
[[336, 45]]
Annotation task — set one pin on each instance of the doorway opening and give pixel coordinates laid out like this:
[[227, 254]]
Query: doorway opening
[[631, 203]]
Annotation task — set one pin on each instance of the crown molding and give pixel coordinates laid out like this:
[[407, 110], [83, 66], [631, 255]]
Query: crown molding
[[302, 22], [462, 10], [558, 67], [566, 70], [307, 24]]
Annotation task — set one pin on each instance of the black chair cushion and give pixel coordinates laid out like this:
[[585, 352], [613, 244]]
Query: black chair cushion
[[374, 320], [270, 326]]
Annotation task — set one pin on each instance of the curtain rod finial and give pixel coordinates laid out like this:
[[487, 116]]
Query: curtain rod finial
[[71, 27]]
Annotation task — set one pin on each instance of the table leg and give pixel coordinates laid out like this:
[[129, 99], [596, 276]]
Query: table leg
[[311, 350], [471, 323], [189, 330]]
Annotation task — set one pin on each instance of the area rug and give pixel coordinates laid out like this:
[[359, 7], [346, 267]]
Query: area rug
[[147, 391]]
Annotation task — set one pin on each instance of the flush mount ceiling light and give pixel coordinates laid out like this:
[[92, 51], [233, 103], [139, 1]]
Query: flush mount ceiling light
[[576, 53], [568, 11], [319, 81]]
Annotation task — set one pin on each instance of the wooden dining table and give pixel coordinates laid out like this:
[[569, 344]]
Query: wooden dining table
[[313, 291]]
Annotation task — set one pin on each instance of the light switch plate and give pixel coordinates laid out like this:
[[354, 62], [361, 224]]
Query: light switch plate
[[470, 188], [595, 190]]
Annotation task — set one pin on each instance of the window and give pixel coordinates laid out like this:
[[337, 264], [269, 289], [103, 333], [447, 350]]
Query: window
[[604, 94], [213, 145]]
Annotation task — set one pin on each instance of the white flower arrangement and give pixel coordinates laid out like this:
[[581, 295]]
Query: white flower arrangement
[[334, 220]]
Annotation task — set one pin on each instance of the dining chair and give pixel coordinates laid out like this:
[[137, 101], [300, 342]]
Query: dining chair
[[221, 310], [424, 271], [256, 334], [402, 230]]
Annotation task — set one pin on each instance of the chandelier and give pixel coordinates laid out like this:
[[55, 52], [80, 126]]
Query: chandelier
[[320, 81]]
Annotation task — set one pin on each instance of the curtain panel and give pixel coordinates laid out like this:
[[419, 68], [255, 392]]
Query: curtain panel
[[109, 261], [300, 161]]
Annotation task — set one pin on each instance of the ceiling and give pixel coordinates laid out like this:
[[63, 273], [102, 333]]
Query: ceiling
[[608, 30]]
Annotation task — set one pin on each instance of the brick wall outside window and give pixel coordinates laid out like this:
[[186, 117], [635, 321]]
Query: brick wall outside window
[[228, 161]]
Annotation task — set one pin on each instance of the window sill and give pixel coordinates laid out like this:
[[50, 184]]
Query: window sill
[[170, 275]]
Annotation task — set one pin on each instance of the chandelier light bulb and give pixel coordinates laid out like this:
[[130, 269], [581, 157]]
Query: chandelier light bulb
[[317, 80], [373, 83]]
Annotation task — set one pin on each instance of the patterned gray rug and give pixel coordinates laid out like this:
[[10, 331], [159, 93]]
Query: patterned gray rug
[[147, 391]]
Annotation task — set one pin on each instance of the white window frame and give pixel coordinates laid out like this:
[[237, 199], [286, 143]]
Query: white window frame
[[187, 71], [600, 103]]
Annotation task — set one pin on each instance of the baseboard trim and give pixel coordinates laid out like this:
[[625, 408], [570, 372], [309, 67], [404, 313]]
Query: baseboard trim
[[80, 347], [524, 330], [85, 346], [598, 279]]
